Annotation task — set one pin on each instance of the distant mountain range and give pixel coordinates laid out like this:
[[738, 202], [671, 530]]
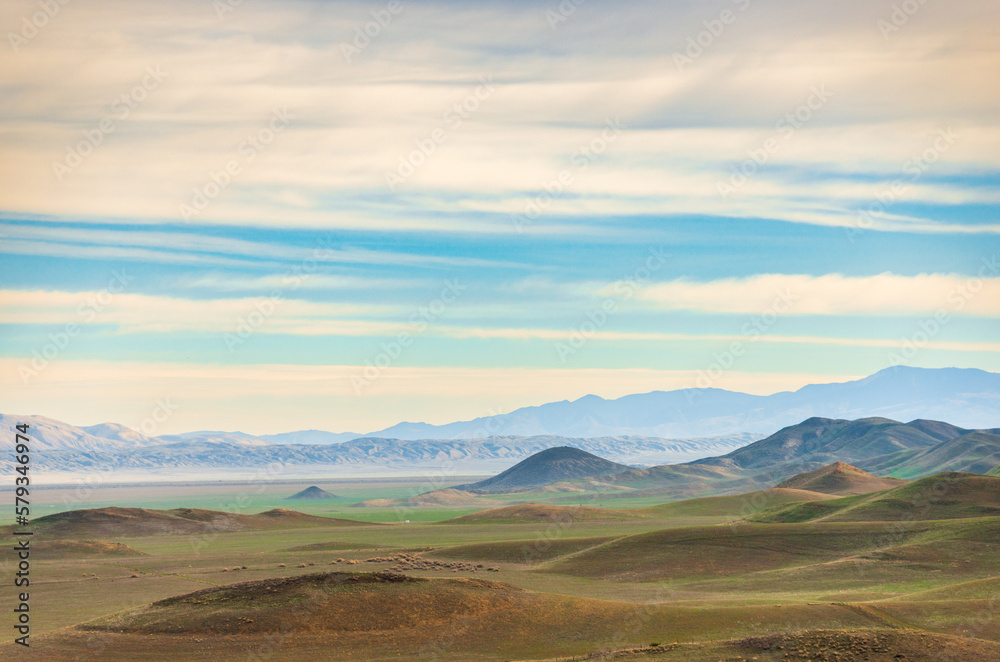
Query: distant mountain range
[[966, 397], [70, 449], [655, 428], [877, 445]]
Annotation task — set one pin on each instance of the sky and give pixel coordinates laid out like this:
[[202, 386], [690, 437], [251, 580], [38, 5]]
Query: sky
[[270, 216]]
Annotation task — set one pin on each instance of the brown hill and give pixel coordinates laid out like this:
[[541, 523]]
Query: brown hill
[[840, 479], [884, 644], [114, 522], [446, 497], [364, 603]]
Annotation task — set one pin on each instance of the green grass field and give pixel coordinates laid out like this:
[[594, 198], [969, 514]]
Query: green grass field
[[688, 574]]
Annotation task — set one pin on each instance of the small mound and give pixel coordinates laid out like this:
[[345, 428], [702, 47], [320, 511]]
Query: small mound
[[313, 492], [116, 522], [324, 602], [840, 479], [58, 549], [377, 503], [445, 497], [533, 512]]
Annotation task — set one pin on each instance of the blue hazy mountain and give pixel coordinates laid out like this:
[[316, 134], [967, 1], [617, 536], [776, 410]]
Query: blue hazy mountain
[[964, 397]]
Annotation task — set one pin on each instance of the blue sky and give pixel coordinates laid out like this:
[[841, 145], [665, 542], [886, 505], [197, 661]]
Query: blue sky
[[276, 224]]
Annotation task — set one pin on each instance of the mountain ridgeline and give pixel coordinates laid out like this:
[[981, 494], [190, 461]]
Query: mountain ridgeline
[[828, 456]]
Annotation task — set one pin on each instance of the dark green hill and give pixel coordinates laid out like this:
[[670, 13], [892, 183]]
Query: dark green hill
[[973, 452], [824, 441], [313, 492], [549, 466]]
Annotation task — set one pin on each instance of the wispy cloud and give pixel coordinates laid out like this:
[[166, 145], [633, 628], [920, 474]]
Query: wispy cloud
[[354, 121], [833, 294]]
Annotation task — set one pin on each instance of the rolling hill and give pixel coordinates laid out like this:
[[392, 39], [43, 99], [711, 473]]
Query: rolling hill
[[825, 549], [949, 495], [972, 452], [840, 479], [114, 521], [550, 466]]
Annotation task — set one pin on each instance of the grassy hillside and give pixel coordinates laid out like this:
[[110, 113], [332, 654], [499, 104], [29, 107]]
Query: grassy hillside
[[975, 452], [710, 553], [949, 495]]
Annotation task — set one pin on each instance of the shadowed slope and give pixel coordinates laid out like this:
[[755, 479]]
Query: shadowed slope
[[313, 492]]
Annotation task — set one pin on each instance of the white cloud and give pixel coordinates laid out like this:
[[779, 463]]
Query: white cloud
[[554, 92], [832, 294]]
